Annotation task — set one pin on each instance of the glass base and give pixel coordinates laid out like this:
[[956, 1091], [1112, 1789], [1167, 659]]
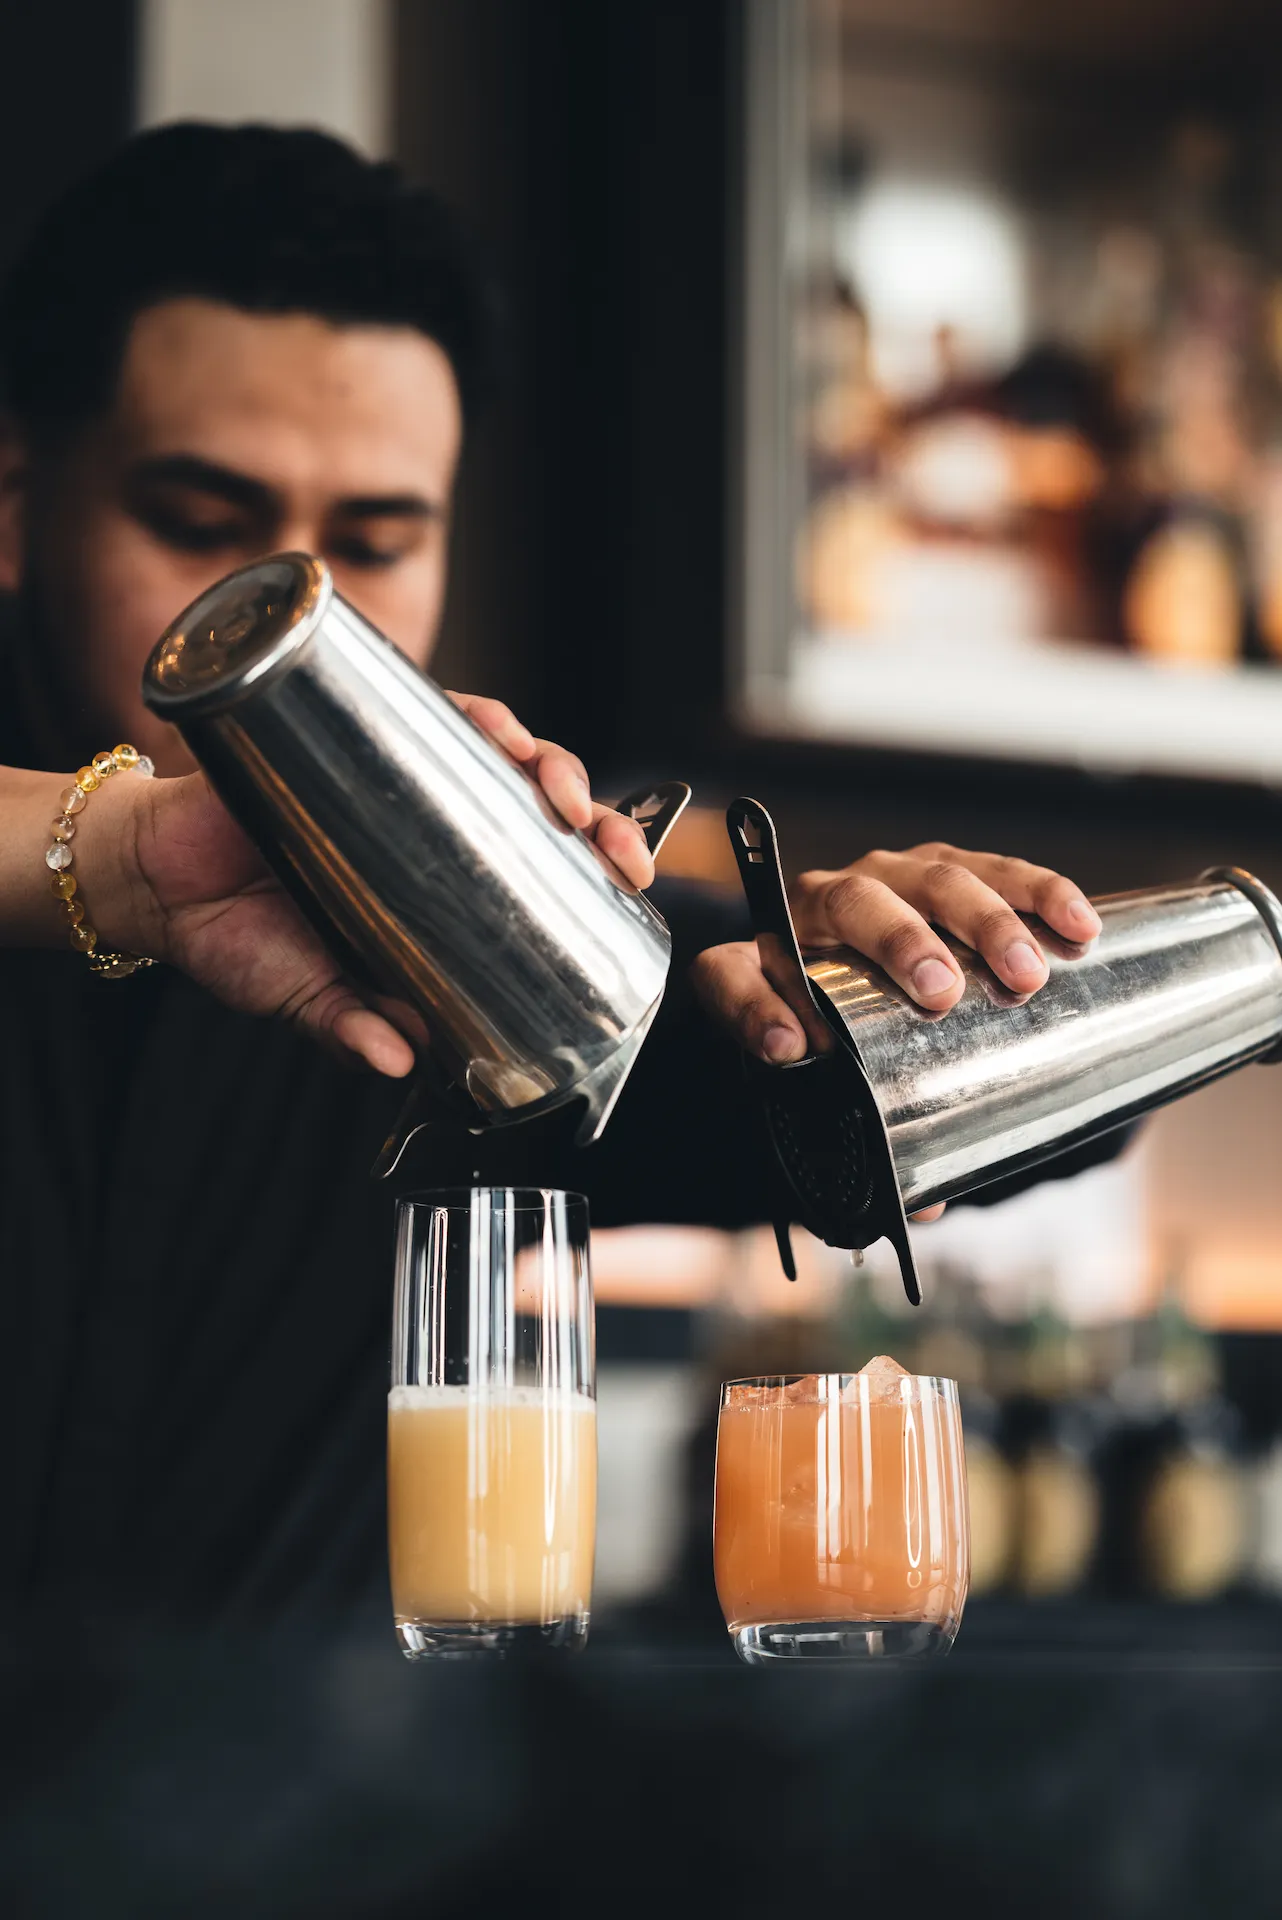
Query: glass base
[[854, 1642], [490, 1640]]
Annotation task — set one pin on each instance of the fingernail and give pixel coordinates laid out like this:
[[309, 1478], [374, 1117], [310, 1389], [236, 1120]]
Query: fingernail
[[932, 976], [1021, 958], [780, 1044], [1084, 914]]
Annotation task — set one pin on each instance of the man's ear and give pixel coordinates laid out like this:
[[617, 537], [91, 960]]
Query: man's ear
[[13, 505]]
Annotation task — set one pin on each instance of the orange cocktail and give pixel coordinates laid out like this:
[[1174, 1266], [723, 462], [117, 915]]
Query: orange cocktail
[[841, 1519]]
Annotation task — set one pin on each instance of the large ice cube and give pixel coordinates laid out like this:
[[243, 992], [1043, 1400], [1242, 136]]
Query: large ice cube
[[884, 1367], [883, 1376]]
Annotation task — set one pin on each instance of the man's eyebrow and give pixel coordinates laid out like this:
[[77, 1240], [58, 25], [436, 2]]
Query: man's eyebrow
[[390, 506], [205, 476]]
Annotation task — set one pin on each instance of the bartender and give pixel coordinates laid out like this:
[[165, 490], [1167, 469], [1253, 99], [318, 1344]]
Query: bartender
[[228, 342]]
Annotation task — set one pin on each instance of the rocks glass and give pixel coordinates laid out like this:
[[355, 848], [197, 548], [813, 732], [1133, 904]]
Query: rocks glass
[[842, 1529]]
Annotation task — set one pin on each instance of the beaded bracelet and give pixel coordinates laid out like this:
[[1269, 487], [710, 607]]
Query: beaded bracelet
[[108, 966]]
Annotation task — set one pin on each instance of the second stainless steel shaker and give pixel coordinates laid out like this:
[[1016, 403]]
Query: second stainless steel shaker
[[428, 859], [896, 1108]]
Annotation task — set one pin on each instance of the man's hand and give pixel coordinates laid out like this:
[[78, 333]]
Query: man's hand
[[886, 906], [564, 779], [170, 874]]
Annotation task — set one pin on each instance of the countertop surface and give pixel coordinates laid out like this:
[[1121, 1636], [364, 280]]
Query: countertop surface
[[1087, 1759]]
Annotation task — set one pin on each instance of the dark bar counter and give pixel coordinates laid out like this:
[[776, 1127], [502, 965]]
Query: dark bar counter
[[1071, 1761]]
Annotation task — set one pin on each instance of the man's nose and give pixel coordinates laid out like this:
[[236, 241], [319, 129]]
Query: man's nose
[[300, 533]]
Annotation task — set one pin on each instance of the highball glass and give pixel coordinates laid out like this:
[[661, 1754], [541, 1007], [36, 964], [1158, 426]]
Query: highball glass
[[491, 1437]]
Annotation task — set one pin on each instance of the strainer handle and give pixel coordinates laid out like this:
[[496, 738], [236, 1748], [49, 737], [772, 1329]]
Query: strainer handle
[[756, 850], [656, 810]]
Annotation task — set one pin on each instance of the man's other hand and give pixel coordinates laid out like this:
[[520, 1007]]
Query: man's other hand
[[887, 907]]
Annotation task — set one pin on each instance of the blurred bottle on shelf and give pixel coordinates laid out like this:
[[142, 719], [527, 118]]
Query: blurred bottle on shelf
[[1102, 1459], [1253, 1372], [843, 409], [1265, 1570], [1113, 475], [1174, 1481], [1183, 600], [1048, 1432]]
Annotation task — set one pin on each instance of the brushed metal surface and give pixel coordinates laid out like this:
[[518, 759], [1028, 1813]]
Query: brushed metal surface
[[1183, 984], [428, 858]]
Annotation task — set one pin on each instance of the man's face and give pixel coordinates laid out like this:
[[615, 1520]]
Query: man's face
[[233, 435]]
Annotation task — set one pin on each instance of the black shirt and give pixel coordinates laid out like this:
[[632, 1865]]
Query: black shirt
[[195, 1277]]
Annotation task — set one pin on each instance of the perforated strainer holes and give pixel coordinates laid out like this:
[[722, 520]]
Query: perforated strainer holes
[[819, 1135], [833, 1178]]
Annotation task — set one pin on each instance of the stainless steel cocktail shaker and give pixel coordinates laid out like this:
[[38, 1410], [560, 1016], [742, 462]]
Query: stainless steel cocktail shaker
[[430, 861], [896, 1109]]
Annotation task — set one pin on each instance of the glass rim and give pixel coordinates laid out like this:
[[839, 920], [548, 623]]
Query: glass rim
[[459, 1199], [855, 1373]]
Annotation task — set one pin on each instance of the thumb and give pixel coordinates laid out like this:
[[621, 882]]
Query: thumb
[[731, 985]]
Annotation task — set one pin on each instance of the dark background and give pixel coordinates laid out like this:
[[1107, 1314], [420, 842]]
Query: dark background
[[595, 149], [591, 146], [66, 98]]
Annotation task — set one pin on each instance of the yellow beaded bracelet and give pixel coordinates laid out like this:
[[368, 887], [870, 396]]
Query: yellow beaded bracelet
[[108, 966]]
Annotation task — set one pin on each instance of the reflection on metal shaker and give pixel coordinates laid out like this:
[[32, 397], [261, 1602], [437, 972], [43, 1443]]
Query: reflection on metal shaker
[[431, 862]]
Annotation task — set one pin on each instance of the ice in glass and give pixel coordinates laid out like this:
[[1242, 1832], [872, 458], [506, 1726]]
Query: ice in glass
[[841, 1526]]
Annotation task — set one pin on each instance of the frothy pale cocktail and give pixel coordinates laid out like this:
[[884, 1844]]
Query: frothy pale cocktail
[[841, 1498], [491, 1504]]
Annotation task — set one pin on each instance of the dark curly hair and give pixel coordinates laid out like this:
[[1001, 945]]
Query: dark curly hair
[[267, 219]]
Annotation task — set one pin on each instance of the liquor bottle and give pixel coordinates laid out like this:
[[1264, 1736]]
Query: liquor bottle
[[1049, 1435], [1175, 1489], [1192, 1515]]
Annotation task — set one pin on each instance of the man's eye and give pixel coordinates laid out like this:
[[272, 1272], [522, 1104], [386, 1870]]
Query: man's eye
[[188, 533], [355, 552]]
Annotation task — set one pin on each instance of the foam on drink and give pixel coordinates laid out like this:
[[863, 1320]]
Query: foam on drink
[[491, 1503]]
